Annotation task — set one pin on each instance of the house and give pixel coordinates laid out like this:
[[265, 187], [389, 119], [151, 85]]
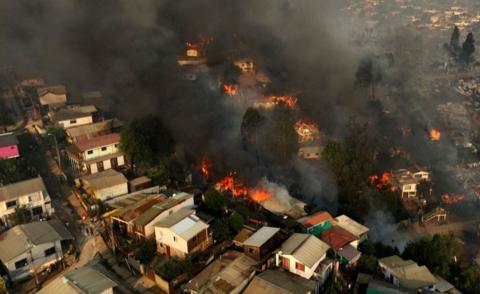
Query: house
[[31, 194], [367, 284], [310, 152], [73, 116], [406, 180], [8, 146], [244, 64], [301, 254], [52, 96], [317, 223], [261, 243], [89, 131], [243, 235], [105, 185], [96, 154], [406, 273], [275, 281], [353, 227], [343, 243], [137, 213], [140, 183], [229, 273], [181, 234], [33, 247], [87, 279]]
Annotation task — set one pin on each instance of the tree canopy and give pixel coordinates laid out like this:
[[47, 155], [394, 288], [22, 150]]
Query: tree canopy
[[252, 120], [283, 140], [146, 140], [455, 39], [214, 201], [468, 48]]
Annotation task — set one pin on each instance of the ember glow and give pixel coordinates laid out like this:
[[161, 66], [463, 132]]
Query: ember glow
[[230, 89], [290, 101], [307, 132], [451, 199], [434, 134], [259, 195], [193, 49], [229, 183], [205, 166], [380, 181]]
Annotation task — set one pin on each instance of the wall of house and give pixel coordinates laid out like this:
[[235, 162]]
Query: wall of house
[[76, 122], [107, 164], [111, 192], [101, 151], [108, 291], [30, 201], [58, 98], [10, 151], [409, 190], [307, 273], [150, 229], [168, 238]]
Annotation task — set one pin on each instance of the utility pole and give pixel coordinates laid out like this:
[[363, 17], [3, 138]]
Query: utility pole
[[58, 152]]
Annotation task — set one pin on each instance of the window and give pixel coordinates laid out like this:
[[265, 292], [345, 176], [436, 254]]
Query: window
[[50, 251], [90, 152], [174, 239], [11, 204], [12, 147], [104, 148], [251, 251], [37, 210], [300, 266], [32, 198], [73, 121], [116, 145], [20, 263], [285, 263], [194, 239]]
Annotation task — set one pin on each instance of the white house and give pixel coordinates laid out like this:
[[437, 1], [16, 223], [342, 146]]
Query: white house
[[406, 180], [106, 184], [31, 194], [406, 273], [181, 234], [73, 116], [301, 254], [52, 96], [33, 247], [87, 279], [96, 154]]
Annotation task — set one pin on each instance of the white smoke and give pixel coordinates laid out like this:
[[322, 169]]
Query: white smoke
[[281, 202]]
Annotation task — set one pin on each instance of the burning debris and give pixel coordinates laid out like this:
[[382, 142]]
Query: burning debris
[[230, 89], [434, 134], [381, 181], [290, 101], [229, 183], [452, 199], [205, 166], [307, 131]]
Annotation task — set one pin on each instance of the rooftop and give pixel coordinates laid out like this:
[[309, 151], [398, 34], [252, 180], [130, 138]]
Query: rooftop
[[85, 132], [350, 225], [73, 112], [184, 223], [105, 179], [306, 248], [55, 89], [8, 139], [410, 275], [97, 142], [337, 237], [232, 276], [279, 282], [23, 188], [21, 238], [316, 218], [140, 181], [261, 236], [160, 207]]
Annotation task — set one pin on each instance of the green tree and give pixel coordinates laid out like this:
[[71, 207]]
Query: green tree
[[3, 286], [146, 140], [159, 174], [251, 122], [174, 268], [436, 252], [221, 230], [147, 251], [283, 140], [468, 48], [469, 280], [214, 201], [236, 222], [59, 134], [21, 215], [455, 39], [8, 171], [368, 264]]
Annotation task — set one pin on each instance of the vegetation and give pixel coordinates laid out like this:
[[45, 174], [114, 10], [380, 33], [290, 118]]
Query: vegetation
[[236, 222], [5, 118], [146, 140], [20, 216], [3, 286], [147, 250], [214, 201], [368, 74], [468, 48], [59, 134], [174, 268], [15, 170], [251, 122], [371, 252], [221, 230], [455, 40], [283, 140], [159, 174], [469, 280]]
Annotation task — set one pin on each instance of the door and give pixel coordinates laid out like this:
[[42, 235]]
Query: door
[[114, 162], [168, 251], [100, 166]]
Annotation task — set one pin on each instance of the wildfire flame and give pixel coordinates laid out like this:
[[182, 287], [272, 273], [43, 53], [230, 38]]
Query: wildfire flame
[[380, 181], [451, 199], [205, 166], [229, 183], [290, 101], [193, 49], [230, 89], [435, 135], [259, 195], [307, 132]]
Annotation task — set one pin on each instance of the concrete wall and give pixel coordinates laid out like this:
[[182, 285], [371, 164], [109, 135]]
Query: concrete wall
[[76, 122], [29, 201], [111, 192], [107, 164], [98, 152], [307, 273]]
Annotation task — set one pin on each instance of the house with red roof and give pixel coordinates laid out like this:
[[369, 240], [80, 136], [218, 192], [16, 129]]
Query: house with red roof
[[8, 146], [343, 243], [96, 154], [317, 223]]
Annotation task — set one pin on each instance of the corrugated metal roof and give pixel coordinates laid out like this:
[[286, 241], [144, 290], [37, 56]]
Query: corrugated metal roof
[[261, 236], [22, 188], [91, 130], [279, 282], [105, 179], [408, 272], [350, 225], [306, 248]]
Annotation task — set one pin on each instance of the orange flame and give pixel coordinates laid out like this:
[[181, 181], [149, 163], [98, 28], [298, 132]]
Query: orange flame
[[290, 101], [435, 135], [229, 183], [230, 89], [259, 195], [193, 49], [380, 181], [307, 132], [205, 166], [451, 199]]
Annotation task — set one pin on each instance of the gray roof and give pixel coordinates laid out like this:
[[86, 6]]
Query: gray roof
[[261, 236], [8, 139], [105, 179], [21, 238], [90, 130], [175, 217], [350, 225], [86, 279], [281, 282], [306, 248], [184, 223], [22, 188]]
